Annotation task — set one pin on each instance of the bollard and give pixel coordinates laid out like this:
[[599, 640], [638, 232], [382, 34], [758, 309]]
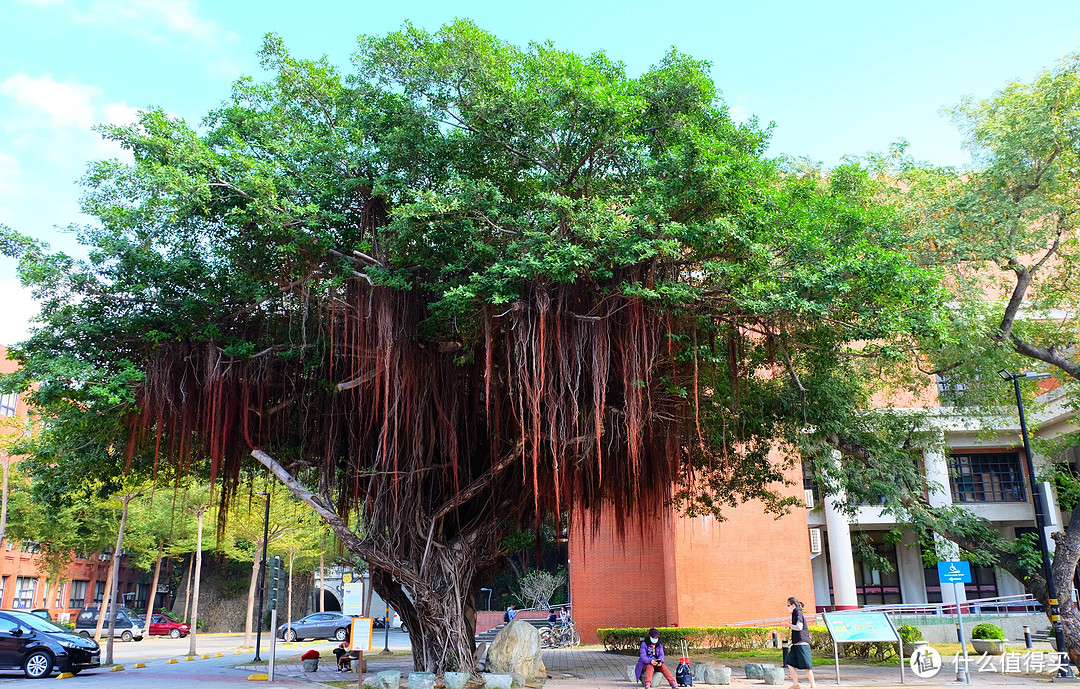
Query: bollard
[[1027, 636], [775, 641]]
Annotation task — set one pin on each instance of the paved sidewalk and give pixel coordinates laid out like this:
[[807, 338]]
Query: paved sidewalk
[[595, 669]]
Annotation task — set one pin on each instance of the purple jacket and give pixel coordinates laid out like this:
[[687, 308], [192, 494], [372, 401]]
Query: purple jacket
[[649, 653]]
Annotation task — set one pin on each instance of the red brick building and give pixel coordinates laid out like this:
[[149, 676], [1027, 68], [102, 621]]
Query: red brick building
[[681, 571], [22, 584]]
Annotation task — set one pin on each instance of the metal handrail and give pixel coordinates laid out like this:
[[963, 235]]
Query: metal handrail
[[1001, 605]]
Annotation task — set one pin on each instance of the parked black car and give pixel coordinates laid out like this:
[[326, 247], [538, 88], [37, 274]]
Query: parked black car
[[37, 646]]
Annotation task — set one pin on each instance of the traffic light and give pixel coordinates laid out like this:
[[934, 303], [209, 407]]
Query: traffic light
[[275, 580]]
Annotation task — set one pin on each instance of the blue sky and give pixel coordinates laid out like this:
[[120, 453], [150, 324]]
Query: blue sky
[[836, 77]]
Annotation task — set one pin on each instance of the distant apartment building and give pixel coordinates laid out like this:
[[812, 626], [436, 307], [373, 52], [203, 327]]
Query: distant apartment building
[[23, 581]]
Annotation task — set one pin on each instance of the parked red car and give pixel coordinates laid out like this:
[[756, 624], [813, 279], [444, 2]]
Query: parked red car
[[163, 626]]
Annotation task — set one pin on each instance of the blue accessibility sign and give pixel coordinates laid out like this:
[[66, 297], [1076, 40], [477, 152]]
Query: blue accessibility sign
[[958, 572]]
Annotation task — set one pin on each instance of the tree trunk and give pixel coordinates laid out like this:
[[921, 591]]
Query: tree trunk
[[114, 579], [198, 573], [252, 589], [187, 591], [153, 590], [442, 623], [105, 597], [322, 584], [288, 610], [428, 572]]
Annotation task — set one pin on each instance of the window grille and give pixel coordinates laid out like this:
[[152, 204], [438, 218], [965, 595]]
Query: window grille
[[986, 477], [78, 593], [25, 590]]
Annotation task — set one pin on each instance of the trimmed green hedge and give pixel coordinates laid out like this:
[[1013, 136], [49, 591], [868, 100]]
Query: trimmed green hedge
[[628, 640], [717, 638]]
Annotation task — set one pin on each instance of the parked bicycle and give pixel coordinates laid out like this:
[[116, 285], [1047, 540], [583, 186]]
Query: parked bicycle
[[559, 636]]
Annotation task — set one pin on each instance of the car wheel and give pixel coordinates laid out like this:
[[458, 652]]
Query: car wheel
[[290, 635], [37, 665], [174, 633], [341, 634], [126, 636], [84, 634], [75, 670]]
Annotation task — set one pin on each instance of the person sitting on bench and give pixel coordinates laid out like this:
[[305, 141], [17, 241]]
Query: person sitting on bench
[[652, 659], [342, 653]]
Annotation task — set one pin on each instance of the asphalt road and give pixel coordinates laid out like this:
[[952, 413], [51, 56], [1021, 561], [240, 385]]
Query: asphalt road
[[210, 672]]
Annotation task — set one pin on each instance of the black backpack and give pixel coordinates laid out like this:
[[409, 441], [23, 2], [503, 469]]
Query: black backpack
[[506, 616]]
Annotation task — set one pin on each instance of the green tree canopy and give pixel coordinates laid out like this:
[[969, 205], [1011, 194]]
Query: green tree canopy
[[468, 286]]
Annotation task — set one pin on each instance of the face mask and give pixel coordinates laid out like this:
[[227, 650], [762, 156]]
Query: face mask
[[653, 639]]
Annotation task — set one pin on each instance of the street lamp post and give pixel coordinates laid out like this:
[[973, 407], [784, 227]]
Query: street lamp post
[[262, 576], [1040, 518]]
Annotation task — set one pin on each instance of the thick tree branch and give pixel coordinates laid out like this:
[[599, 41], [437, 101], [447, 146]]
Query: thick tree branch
[[479, 484], [349, 539]]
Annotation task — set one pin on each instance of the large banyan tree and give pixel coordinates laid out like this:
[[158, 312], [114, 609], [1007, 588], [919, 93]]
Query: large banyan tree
[[468, 288]]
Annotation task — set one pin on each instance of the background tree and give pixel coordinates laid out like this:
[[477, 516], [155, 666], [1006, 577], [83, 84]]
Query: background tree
[[301, 548], [245, 534], [1005, 235], [469, 287]]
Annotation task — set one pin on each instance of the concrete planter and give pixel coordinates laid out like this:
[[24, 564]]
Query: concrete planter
[[992, 647]]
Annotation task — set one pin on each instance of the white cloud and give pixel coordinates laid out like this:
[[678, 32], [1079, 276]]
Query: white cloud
[[119, 113], [154, 21], [66, 103], [18, 308]]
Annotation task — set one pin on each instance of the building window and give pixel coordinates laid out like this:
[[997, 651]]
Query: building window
[[142, 593], [986, 477], [25, 592], [873, 586], [99, 592], [60, 595], [3, 586], [78, 593], [8, 403]]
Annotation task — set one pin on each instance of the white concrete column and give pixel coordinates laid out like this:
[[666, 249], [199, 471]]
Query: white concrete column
[[840, 557], [820, 571], [909, 565], [940, 495]]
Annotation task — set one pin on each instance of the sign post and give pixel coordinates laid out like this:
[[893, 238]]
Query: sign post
[[360, 640], [848, 627], [957, 572]]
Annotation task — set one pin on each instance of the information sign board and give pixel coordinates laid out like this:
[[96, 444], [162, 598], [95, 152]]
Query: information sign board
[[360, 634], [859, 626], [352, 598], [847, 627]]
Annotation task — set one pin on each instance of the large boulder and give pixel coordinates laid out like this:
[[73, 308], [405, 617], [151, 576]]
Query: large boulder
[[516, 649]]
